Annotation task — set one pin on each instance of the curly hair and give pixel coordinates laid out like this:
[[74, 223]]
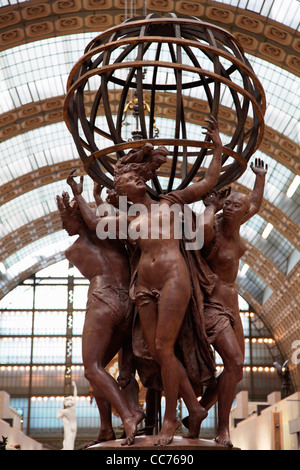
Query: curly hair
[[143, 162]]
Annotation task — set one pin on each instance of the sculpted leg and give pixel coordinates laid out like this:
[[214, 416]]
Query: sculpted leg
[[210, 396], [96, 342], [161, 324], [197, 413], [153, 398], [174, 304], [106, 432], [162, 352], [228, 348], [127, 369]]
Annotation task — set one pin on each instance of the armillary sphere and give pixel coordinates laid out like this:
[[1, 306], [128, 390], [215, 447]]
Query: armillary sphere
[[164, 75]]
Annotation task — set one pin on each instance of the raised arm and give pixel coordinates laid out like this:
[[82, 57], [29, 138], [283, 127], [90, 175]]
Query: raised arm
[[75, 390], [87, 213], [260, 170], [213, 202], [98, 188], [195, 191]]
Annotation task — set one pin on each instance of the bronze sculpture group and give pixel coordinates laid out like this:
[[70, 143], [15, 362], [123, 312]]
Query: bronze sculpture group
[[163, 306]]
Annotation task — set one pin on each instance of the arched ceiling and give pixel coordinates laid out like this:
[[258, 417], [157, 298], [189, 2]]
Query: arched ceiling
[[40, 42]]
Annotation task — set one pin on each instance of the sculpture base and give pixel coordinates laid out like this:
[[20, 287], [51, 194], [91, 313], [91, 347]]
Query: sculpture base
[[179, 443]]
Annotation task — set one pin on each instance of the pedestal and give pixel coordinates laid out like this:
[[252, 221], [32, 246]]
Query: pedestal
[[179, 443]]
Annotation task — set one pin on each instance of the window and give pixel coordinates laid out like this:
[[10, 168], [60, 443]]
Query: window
[[35, 361]]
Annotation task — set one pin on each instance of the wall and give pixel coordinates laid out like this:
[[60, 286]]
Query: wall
[[276, 427], [14, 435]]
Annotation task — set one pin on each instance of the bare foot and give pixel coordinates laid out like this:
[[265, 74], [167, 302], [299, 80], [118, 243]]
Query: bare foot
[[89, 444], [223, 438], [106, 435], [165, 437], [130, 427], [195, 420]]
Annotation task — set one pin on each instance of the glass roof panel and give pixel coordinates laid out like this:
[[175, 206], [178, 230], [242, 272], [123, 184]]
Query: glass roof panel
[[4, 3], [37, 251], [41, 202], [39, 70], [286, 12], [34, 149], [253, 284], [276, 247], [278, 180], [282, 95], [35, 204], [52, 144]]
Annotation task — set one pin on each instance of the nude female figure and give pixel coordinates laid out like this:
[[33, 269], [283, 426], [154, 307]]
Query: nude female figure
[[68, 416], [108, 320], [163, 288]]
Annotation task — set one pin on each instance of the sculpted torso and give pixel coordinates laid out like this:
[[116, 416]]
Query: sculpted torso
[[225, 263], [104, 259], [159, 247]]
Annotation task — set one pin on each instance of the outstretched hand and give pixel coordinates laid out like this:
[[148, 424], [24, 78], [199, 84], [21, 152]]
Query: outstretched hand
[[98, 187], [63, 201], [217, 198], [259, 167], [60, 203], [212, 130], [77, 188], [112, 198]]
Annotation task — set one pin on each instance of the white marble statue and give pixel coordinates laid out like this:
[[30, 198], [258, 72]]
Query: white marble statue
[[68, 415]]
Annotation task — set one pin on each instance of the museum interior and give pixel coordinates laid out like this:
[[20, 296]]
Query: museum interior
[[43, 296]]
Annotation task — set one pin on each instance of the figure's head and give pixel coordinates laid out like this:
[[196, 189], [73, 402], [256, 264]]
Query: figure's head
[[236, 207], [137, 167], [71, 217], [130, 184], [69, 401]]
